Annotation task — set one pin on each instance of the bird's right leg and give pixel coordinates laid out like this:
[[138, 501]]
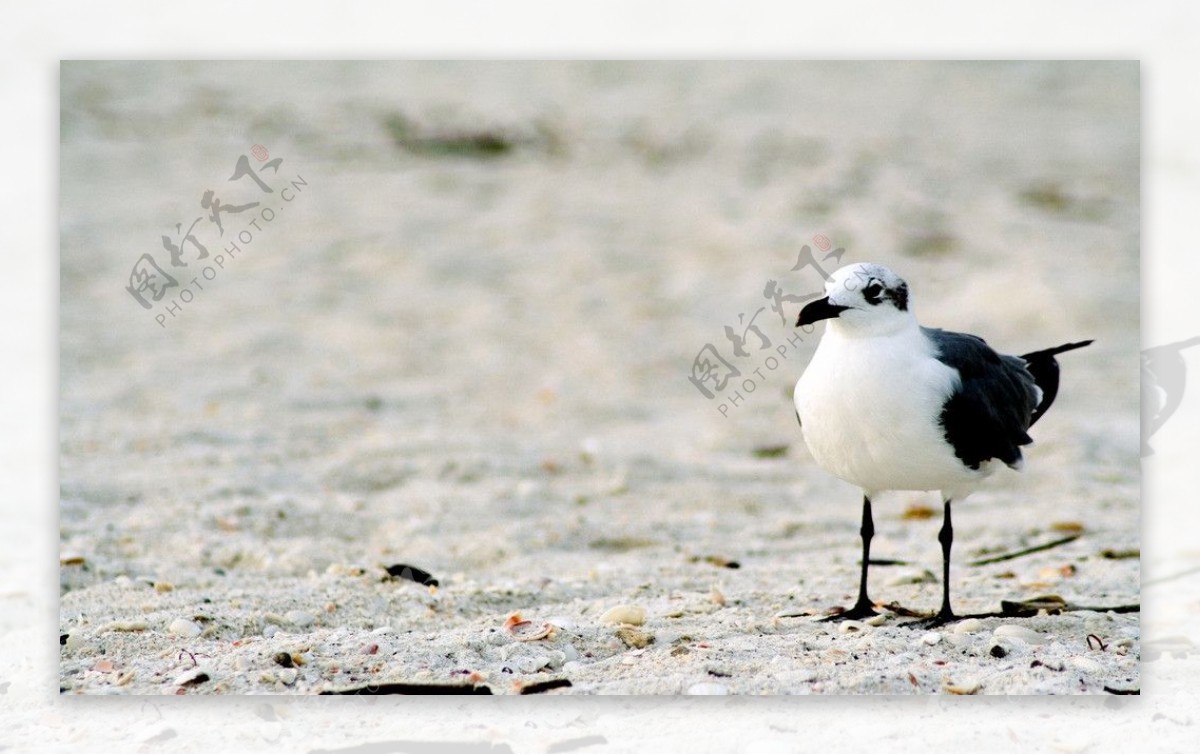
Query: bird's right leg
[[863, 607]]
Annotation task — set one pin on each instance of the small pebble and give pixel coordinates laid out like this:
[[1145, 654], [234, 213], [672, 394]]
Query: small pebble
[[708, 688], [879, 620], [193, 676], [931, 638], [1085, 664], [287, 675], [850, 627], [534, 664], [283, 659], [624, 614], [300, 618], [967, 626], [184, 628], [163, 587], [997, 651], [1018, 632]]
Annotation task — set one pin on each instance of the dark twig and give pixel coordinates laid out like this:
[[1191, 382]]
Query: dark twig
[[404, 688], [405, 571], [538, 687], [1099, 642], [1019, 610], [1026, 552], [1112, 691], [1130, 608], [191, 655]]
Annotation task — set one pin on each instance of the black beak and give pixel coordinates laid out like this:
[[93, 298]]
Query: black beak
[[820, 309]]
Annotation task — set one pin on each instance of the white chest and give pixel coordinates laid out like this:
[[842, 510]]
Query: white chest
[[870, 407]]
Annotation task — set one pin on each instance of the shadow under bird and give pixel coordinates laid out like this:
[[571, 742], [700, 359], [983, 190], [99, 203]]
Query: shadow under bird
[[887, 404]]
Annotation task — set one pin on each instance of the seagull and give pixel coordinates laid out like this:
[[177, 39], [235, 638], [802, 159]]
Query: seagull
[[887, 404]]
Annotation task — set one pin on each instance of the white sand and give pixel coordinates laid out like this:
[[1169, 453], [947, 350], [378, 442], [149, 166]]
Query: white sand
[[479, 367]]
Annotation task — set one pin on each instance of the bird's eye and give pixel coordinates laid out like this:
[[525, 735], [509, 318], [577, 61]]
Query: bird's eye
[[871, 292]]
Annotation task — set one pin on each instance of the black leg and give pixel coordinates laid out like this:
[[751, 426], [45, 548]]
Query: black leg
[[946, 538], [863, 607]]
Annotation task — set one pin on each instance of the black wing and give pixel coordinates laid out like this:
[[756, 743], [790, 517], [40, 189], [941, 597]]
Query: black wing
[[1044, 368], [988, 416]]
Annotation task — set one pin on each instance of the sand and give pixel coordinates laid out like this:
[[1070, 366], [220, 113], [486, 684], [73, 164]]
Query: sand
[[464, 345]]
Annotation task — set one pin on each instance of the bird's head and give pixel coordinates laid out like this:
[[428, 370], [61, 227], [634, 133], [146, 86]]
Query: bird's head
[[864, 297]]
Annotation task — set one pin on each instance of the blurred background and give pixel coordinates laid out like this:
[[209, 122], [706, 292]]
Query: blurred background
[[467, 339]]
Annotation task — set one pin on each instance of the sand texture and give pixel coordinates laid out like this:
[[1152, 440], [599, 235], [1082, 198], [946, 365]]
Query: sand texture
[[464, 345]]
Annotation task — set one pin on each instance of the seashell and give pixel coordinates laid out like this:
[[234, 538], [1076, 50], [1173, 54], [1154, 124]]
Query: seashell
[[1018, 632], [624, 614], [547, 631], [966, 688], [184, 628], [967, 626]]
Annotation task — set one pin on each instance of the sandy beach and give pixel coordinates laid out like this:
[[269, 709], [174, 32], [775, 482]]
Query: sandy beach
[[457, 334]]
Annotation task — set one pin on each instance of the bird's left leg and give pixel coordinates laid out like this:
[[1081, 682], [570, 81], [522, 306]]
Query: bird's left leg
[[864, 606], [946, 538]]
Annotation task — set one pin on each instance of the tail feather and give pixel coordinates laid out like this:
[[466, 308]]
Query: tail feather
[[1044, 368]]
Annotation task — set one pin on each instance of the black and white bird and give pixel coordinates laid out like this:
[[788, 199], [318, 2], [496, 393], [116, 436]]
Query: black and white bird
[[886, 404]]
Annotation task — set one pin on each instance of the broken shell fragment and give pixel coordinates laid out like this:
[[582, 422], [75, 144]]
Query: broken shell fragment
[[530, 635], [634, 638], [969, 687], [513, 621], [525, 631]]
